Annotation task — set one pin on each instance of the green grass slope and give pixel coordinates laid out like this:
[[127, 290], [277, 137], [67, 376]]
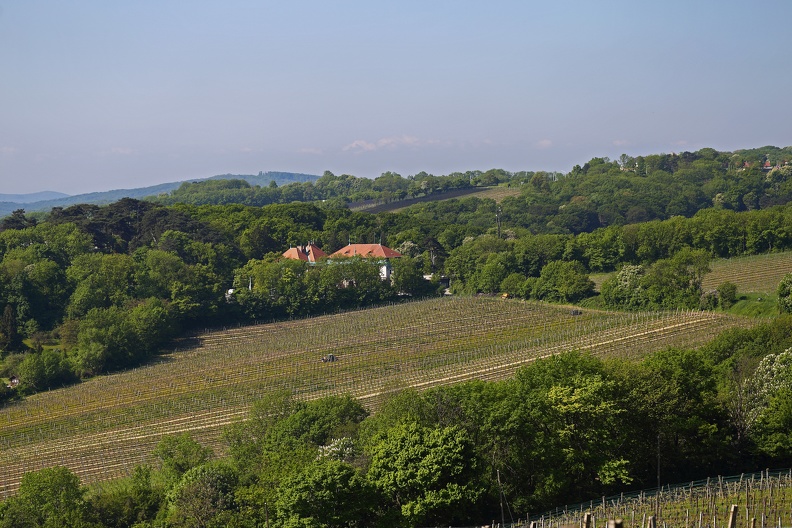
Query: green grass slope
[[753, 274], [493, 193], [756, 277]]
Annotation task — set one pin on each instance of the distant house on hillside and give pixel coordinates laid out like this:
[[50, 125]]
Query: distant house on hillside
[[308, 253], [373, 251]]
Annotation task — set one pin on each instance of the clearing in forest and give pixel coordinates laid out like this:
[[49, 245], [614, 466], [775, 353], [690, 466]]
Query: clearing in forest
[[105, 426], [493, 193]]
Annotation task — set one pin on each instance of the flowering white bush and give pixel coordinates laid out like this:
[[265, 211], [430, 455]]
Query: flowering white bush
[[773, 374]]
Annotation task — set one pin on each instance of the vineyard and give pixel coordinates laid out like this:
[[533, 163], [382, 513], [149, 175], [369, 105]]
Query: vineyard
[[754, 274], [105, 426], [762, 499]]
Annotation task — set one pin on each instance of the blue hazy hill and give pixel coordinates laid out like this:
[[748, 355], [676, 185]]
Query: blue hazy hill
[[44, 201]]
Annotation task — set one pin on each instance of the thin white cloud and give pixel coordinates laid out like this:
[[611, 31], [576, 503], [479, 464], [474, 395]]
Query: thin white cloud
[[620, 142], [394, 142], [544, 144], [311, 150], [122, 151], [8, 151], [360, 145], [401, 141]]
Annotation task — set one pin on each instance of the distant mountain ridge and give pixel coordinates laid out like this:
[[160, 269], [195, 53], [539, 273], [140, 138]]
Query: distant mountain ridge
[[31, 197], [44, 201]]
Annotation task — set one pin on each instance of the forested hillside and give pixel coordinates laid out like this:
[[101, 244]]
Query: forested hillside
[[42, 202], [90, 289]]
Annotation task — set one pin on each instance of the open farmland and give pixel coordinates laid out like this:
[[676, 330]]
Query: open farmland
[[102, 428], [492, 193], [753, 274], [498, 193]]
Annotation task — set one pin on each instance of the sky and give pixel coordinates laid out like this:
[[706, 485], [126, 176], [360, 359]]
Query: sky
[[98, 95]]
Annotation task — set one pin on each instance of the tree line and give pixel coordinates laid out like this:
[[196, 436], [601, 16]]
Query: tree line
[[564, 429], [339, 190], [602, 192]]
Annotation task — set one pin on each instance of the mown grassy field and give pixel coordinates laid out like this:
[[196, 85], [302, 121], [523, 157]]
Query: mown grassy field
[[756, 278], [493, 193], [102, 428], [497, 193]]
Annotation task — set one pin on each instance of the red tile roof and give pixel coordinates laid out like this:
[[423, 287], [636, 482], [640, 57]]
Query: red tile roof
[[366, 250], [308, 253]]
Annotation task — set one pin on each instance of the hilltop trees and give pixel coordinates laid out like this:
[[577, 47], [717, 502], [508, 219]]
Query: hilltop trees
[[785, 294], [327, 493], [203, 496], [49, 497], [563, 282], [668, 283], [10, 339], [272, 288], [339, 189], [132, 503], [427, 473], [17, 220]]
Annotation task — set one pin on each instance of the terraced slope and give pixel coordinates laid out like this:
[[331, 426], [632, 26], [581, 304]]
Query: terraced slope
[[102, 428], [753, 274]]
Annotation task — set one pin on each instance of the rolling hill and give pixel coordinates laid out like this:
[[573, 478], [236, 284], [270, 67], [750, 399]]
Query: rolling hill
[[105, 426], [47, 200]]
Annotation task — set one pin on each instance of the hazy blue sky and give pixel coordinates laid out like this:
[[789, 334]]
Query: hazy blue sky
[[99, 95]]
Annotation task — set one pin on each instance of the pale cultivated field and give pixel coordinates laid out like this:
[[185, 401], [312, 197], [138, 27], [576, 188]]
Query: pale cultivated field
[[753, 274], [102, 428]]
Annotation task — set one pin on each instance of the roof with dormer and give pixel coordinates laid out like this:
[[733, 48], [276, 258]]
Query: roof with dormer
[[366, 251], [308, 253]]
